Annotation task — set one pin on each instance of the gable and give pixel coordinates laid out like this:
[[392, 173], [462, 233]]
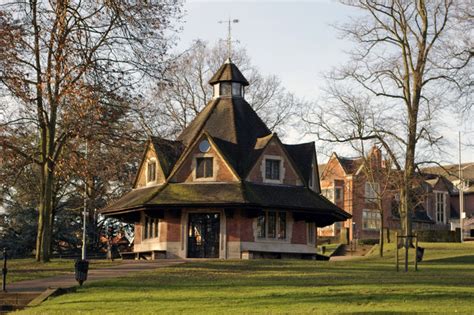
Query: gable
[[274, 150], [332, 170], [149, 156], [222, 171], [440, 185]]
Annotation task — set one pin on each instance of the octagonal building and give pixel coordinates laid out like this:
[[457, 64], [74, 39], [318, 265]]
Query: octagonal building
[[226, 188]]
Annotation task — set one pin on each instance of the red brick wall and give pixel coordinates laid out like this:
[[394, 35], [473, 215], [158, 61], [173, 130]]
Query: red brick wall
[[185, 172], [299, 233], [246, 228], [138, 233], [173, 230], [274, 148], [233, 226]]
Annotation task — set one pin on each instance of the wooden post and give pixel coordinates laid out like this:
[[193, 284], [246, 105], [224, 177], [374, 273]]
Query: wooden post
[[416, 251], [396, 253], [406, 252]]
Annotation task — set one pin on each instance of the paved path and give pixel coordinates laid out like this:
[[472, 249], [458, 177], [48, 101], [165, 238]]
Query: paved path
[[68, 280], [341, 258]]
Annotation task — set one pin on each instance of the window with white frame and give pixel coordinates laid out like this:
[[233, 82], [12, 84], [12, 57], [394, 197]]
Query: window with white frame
[[272, 169], [371, 219], [151, 171], [440, 207], [151, 227], [371, 191], [271, 225]]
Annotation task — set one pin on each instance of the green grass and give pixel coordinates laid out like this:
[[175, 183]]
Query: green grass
[[29, 269], [444, 283]]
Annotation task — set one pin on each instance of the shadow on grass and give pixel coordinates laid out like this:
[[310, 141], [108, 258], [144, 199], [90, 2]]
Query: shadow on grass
[[467, 259]]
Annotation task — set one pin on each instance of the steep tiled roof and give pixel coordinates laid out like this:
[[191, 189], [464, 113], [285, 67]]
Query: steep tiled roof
[[228, 72], [239, 135], [302, 155], [451, 171], [350, 165], [235, 127], [168, 152], [230, 194]]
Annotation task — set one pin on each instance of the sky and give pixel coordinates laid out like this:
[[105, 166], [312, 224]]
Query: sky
[[296, 41]]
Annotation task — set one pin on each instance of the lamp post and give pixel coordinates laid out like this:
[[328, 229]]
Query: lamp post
[[84, 226], [4, 271], [461, 194]]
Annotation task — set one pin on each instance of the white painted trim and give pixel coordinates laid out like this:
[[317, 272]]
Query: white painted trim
[[278, 248], [289, 229], [215, 167], [153, 182], [445, 201], [282, 169], [222, 231]]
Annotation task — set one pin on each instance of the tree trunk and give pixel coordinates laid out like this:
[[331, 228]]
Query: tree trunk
[[45, 224], [381, 240]]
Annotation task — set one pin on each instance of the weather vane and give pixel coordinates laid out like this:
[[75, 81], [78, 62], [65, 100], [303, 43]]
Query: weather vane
[[229, 35]]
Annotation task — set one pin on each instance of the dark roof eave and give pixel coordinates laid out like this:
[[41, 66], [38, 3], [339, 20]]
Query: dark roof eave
[[343, 216]]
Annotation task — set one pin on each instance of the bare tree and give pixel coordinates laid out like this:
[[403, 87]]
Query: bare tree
[[397, 81], [176, 102], [65, 64]]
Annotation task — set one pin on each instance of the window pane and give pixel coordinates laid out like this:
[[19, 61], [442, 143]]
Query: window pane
[[199, 168], [276, 169], [268, 169], [151, 174], [225, 88], [208, 167], [156, 227], [236, 89], [272, 169], [204, 167], [271, 224], [261, 225], [282, 225], [145, 232], [311, 232]]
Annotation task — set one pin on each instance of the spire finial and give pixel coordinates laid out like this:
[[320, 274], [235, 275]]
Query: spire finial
[[229, 34]]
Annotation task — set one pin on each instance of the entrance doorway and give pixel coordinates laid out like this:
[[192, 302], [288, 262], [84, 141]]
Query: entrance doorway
[[203, 235]]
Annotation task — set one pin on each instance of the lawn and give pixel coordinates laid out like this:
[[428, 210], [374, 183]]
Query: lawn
[[29, 269], [444, 283]]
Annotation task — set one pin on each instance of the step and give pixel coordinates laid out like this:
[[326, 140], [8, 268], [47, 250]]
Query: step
[[17, 298], [6, 309]]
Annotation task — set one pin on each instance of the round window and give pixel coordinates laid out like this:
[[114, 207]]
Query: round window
[[204, 146]]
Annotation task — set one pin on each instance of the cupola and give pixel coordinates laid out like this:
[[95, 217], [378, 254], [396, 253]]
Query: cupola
[[228, 81]]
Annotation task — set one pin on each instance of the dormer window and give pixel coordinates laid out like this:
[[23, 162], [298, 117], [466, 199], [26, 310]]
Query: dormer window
[[272, 169], [151, 171], [204, 167]]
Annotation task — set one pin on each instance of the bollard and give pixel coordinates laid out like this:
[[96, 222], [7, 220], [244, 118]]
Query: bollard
[[81, 268], [4, 271]]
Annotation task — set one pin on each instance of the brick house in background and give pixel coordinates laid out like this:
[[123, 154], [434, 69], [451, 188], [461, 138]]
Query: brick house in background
[[451, 173], [355, 189], [227, 187]]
